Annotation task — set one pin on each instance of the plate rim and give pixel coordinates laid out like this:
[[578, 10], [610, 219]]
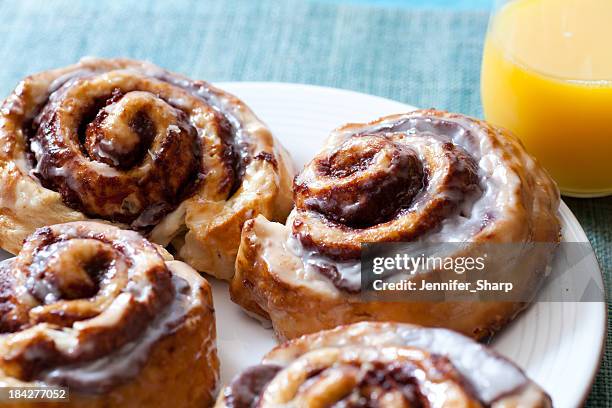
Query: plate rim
[[310, 87]]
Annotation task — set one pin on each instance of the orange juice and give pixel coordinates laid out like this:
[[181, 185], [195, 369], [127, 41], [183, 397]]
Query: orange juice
[[547, 76]]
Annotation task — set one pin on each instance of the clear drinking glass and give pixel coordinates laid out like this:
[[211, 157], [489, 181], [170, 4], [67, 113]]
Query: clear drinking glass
[[547, 76]]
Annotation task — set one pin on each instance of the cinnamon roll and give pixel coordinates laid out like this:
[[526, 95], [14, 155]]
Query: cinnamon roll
[[130, 143], [383, 365], [425, 177], [98, 310]]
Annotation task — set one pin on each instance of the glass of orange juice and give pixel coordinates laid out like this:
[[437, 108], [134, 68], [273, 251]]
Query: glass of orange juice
[[547, 76]]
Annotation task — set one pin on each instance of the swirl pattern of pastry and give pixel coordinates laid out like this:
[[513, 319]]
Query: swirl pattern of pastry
[[425, 176], [128, 142], [383, 365], [99, 310]]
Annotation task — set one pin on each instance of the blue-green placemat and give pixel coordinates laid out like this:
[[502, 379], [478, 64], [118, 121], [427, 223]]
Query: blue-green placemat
[[452, 4], [428, 58]]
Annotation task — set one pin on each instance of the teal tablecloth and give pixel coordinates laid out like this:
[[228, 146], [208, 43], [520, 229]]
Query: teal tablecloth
[[428, 58]]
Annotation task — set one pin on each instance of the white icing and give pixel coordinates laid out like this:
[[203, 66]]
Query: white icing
[[490, 375], [77, 339], [125, 363], [423, 134], [497, 180], [277, 251], [312, 260]]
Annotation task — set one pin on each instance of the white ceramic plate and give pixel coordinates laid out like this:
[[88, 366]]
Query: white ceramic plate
[[558, 344]]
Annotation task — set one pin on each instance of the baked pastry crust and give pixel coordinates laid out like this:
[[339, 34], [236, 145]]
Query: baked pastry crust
[[100, 311], [370, 364], [482, 188], [127, 142]]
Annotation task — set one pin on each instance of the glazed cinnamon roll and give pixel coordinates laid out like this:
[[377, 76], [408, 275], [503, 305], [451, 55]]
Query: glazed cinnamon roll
[[98, 310], [383, 365], [130, 143], [422, 177]]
